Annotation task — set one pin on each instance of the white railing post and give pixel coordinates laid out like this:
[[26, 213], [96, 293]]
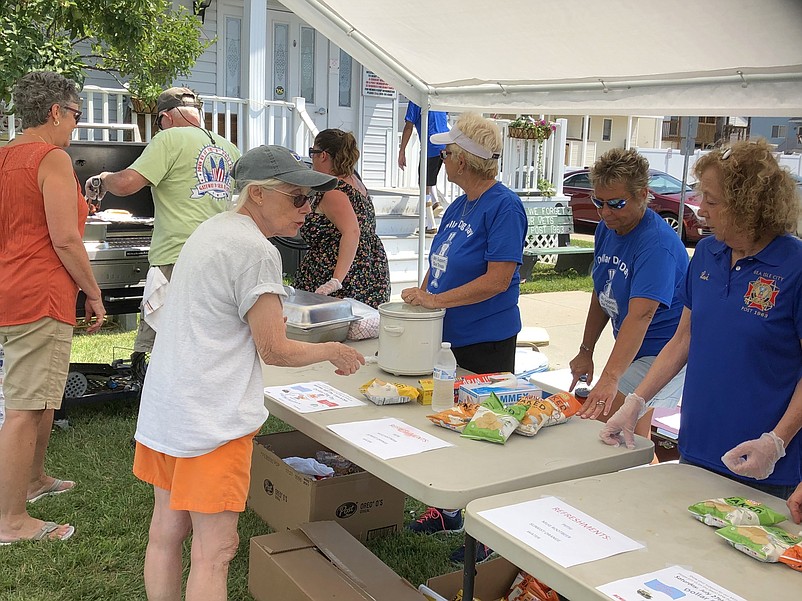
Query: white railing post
[[558, 155]]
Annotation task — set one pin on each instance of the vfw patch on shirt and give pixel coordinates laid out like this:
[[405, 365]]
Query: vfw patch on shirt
[[213, 170], [761, 294]]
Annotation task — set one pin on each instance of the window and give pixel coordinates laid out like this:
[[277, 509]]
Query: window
[[580, 180], [607, 130], [280, 60], [308, 64], [778, 131], [346, 79], [233, 56]]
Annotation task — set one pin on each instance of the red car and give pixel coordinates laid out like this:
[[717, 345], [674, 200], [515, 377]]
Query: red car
[[665, 190]]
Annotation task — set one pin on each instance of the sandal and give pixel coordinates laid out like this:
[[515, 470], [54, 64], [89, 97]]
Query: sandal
[[44, 534], [56, 488]]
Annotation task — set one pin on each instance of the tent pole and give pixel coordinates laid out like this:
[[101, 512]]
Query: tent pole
[[424, 152]]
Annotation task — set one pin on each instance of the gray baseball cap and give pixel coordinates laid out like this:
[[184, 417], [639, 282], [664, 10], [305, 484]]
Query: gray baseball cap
[[277, 162]]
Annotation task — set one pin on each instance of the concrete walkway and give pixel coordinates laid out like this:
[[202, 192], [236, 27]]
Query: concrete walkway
[[562, 315]]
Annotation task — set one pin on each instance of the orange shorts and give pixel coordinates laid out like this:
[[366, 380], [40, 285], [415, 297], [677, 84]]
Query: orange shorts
[[210, 483]]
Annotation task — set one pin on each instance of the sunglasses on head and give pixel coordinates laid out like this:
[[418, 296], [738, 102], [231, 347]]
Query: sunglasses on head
[[618, 203], [313, 151], [298, 200]]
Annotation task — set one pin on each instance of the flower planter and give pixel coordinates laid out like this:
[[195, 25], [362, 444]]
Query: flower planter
[[529, 133], [143, 106]]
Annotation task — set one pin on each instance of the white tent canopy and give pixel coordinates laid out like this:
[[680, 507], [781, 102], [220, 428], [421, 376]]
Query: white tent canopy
[[612, 57]]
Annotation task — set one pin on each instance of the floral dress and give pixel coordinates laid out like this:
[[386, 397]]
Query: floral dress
[[368, 279]]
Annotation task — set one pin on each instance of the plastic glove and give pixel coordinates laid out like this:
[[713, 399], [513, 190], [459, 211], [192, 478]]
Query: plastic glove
[[333, 285], [755, 458], [94, 190], [621, 426]]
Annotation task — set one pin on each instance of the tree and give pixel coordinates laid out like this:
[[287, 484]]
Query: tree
[[147, 42]]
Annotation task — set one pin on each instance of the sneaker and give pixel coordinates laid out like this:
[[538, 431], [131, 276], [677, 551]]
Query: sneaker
[[433, 521], [483, 553], [431, 231], [438, 210]]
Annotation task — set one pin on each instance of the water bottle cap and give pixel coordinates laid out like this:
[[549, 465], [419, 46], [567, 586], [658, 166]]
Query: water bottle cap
[[445, 345]]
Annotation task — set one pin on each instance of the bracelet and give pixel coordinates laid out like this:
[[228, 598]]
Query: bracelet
[[582, 347]]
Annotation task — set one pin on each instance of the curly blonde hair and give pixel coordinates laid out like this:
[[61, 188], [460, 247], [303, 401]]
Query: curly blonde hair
[[485, 133], [621, 166], [759, 194]]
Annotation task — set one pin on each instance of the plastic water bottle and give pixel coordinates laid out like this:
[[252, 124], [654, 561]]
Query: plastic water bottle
[[444, 374], [2, 398]]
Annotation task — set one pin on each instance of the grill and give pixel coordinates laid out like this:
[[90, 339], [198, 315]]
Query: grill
[[117, 247]]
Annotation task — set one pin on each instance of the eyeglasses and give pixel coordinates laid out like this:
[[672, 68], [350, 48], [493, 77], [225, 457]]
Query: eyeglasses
[[313, 151], [298, 200], [75, 112], [444, 154], [618, 203]]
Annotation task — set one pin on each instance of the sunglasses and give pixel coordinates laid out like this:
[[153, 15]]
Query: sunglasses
[[314, 151], [618, 203], [75, 112], [444, 154], [298, 200]]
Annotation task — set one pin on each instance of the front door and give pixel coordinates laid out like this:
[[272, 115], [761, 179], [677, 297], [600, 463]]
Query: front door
[[298, 57], [343, 90]]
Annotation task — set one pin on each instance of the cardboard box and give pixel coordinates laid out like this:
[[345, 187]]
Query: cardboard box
[[479, 392], [361, 503], [321, 561], [493, 580], [425, 388]]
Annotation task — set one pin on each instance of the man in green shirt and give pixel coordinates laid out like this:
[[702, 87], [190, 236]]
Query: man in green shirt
[[189, 171]]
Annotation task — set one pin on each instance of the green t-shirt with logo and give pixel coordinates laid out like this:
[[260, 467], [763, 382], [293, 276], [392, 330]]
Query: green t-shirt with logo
[[191, 181]]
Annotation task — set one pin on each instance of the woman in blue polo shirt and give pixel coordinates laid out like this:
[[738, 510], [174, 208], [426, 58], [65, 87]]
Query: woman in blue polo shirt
[[741, 328]]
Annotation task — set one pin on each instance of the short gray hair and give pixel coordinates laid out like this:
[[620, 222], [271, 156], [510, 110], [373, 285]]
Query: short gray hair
[[37, 91], [245, 189]]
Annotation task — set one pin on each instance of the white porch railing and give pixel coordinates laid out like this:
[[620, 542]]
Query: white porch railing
[[108, 117], [519, 160]]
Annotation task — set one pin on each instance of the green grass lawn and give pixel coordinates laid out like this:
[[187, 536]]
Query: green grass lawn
[[111, 509]]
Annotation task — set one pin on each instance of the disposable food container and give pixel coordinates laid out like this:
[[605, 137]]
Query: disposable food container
[[316, 318]]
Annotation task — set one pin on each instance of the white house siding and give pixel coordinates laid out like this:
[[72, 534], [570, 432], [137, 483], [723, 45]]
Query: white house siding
[[378, 139]]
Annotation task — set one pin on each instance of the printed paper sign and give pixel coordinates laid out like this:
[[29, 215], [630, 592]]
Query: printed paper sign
[[562, 533], [669, 584], [388, 437], [309, 397]]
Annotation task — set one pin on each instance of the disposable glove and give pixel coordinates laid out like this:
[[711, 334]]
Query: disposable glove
[[755, 458], [94, 190], [333, 285], [621, 426]]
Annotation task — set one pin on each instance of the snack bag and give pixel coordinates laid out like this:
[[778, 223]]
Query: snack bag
[[529, 588], [493, 422], [793, 557], [764, 543], [380, 392], [734, 511], [455, 418], [540, 413]]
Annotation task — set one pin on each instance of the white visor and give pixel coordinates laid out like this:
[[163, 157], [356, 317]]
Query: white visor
[[455, 136]]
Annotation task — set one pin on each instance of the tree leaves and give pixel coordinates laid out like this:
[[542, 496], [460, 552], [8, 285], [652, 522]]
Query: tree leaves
[[147, 42]]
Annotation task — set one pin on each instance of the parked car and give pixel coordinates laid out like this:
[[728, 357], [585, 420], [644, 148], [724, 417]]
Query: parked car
[[798, 180], [665, 190]]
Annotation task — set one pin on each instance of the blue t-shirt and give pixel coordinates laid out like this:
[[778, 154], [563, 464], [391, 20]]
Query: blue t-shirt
[[438, 123], [648, 262], [745, 358], [471, 234]]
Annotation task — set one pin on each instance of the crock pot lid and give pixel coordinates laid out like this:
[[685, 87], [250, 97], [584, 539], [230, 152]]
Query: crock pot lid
[[402, 309]]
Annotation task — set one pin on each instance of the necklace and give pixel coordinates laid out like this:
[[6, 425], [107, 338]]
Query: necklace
[[466, 210], [36, 136]]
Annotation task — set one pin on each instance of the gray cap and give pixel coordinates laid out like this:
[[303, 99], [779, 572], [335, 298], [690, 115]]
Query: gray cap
[[277, 162], [174, 97]]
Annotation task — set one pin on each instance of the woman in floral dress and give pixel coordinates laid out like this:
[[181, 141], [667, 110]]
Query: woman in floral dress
[[346, 257]]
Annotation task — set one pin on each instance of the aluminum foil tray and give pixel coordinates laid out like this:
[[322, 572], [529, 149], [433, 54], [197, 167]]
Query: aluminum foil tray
[[306, 310]]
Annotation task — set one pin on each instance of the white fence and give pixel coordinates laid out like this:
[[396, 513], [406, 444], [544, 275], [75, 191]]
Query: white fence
[[108, 116], [671, 161]]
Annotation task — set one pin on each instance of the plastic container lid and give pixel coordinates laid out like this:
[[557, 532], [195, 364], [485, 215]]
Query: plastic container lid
[[407, 311]]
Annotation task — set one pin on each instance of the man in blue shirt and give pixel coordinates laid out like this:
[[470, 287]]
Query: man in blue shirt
[[438, 123]]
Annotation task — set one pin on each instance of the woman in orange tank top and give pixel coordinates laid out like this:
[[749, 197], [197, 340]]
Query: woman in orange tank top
[[43, 264]]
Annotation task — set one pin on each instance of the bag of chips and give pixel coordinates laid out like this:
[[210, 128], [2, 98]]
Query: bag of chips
[[792, 557], [764, 543], [552, 410], [494, 422], [735, 511], [380, 392], [454, 418], [529, 588]]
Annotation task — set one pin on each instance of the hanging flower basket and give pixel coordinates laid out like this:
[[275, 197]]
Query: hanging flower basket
[[527, 128], [143, 106]]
